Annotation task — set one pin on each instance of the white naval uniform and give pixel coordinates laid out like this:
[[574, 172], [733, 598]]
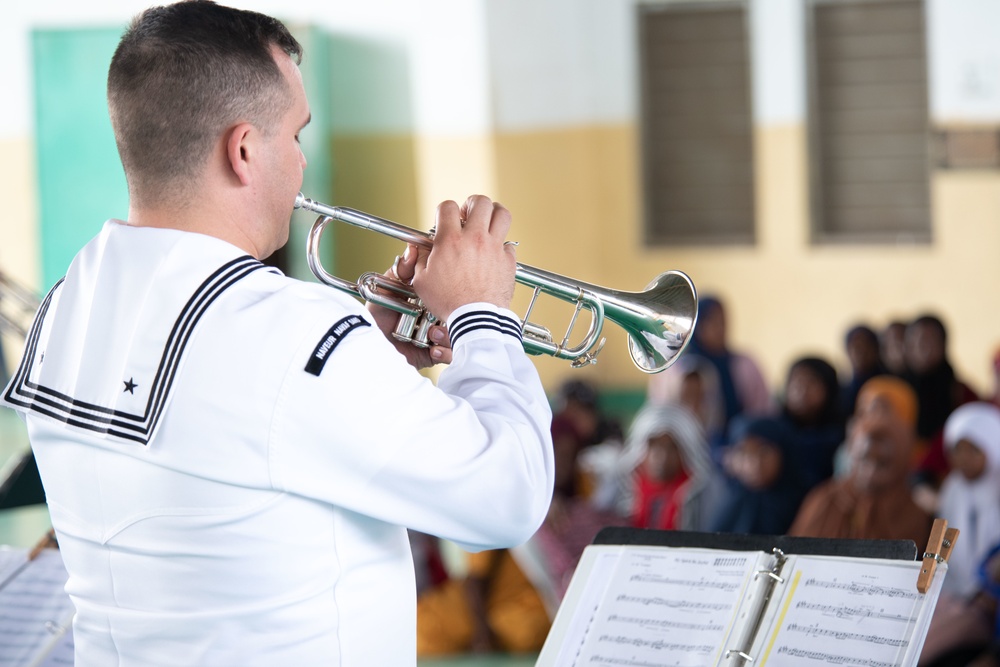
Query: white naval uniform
[[217, 503]]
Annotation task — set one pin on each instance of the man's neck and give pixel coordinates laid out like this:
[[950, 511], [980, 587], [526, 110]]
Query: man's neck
[[210, 221]]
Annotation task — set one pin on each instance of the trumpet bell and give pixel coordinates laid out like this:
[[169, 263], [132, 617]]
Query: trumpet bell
[[667, 314]]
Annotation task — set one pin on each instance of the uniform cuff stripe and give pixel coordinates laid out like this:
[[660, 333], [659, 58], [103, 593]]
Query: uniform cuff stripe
[[484, 319]]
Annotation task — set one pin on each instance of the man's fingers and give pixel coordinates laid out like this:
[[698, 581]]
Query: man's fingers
[[404, 268], [500, 221], [449, 219]]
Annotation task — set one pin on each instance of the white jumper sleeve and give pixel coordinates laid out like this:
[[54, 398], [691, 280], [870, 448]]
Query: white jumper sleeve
[[469, 460]]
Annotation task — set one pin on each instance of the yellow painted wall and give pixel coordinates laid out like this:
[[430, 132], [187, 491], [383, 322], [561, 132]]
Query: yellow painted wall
[[18, 224], [575, 194]]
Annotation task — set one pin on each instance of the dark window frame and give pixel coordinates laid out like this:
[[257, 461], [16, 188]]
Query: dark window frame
[[659, 235], [821, 231]]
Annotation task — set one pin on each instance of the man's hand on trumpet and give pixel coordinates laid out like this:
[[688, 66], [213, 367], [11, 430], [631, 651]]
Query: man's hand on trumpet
[[440, 350], [469, 263]]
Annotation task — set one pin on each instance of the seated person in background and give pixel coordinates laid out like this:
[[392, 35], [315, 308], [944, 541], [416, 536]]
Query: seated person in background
[[692, 383], [666, 479], [815, 422], [577, 423], [892, 347], [763, 489], [939, 392], [741, 385], [970, 500], [493, 608], [873, 501], [864, 355], [970, 496]]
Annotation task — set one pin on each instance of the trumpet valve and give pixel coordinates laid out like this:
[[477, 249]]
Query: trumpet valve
[[414, 329]]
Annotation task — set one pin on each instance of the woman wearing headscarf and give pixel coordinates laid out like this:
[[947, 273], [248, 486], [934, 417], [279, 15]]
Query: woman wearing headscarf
[[665, 476], [763, 479], [812, 411], [970, 496], [964, 618]]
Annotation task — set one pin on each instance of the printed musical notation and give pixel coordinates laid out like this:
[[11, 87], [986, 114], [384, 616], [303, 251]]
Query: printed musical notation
[[833, 613], [831, 658], [671, 608], [35, 612], [640, 606]]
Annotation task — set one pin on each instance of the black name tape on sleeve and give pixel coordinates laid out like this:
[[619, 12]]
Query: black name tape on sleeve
[[331, 340]]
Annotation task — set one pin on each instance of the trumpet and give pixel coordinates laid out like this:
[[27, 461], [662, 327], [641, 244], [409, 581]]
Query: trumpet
[[658, 320]]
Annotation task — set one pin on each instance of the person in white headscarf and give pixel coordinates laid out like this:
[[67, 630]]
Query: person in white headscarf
[[970, 496], [965, 616], [665, 474]]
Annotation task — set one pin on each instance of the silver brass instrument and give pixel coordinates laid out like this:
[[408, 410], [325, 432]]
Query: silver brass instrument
[[658, 321]]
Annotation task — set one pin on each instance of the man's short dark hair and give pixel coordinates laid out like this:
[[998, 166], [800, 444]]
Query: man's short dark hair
[[181, 75]]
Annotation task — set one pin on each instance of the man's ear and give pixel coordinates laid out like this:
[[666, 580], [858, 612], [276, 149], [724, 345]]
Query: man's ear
[[240, 150]]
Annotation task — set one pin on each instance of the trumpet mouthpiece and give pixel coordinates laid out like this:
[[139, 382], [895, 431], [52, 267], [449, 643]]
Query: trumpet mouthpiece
[[300, 199]]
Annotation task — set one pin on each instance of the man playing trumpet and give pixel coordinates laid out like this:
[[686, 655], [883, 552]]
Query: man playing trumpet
[[230, 456]]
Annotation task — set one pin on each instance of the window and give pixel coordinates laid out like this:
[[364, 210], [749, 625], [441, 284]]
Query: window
[[869, 138], [697, 140]]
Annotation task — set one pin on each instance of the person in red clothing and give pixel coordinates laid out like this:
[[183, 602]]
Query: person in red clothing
[[668, 479]]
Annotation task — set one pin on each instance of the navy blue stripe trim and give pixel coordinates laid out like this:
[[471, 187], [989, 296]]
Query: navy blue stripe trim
[[484, 319], [32, 396]]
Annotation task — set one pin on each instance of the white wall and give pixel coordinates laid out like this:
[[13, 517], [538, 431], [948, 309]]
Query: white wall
[[443, 41]]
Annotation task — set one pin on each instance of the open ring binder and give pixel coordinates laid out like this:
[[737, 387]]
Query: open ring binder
[[642, 597]]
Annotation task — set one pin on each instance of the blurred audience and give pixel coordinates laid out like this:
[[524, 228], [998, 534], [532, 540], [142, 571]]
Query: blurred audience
[[763, 487], [939, 392], [873, 501], [741, 385], [892, 343], [713, 450], [864, 354], [666, 479], [812, 410], [692, 383], [970, 496]]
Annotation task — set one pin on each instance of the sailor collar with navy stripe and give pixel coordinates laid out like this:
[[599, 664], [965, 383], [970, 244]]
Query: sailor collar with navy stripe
[[32, 390]]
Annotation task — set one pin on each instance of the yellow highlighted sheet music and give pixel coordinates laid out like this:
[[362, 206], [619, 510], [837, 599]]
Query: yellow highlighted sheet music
[[645, 606]]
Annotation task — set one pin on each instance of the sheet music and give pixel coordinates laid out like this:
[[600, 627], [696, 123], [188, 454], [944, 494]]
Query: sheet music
[[599, 576], [672, 607], [11, 560], [835, 612], [35, 612]]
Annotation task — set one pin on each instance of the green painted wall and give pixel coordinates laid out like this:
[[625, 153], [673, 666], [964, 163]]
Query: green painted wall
[[80, 179], [317, 146]]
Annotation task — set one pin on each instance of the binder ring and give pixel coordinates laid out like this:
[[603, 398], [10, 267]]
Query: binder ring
[[746, 657], [769, 573]]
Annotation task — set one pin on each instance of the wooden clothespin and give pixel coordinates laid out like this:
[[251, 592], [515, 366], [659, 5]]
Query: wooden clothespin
[[47, 542], [939, 546]]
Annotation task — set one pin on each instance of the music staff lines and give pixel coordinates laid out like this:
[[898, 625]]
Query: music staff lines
[[665, 623], [673, 604], [833, 658], [856, 588], [851, 613], [727, 586], [656, 644], [842, 635]]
